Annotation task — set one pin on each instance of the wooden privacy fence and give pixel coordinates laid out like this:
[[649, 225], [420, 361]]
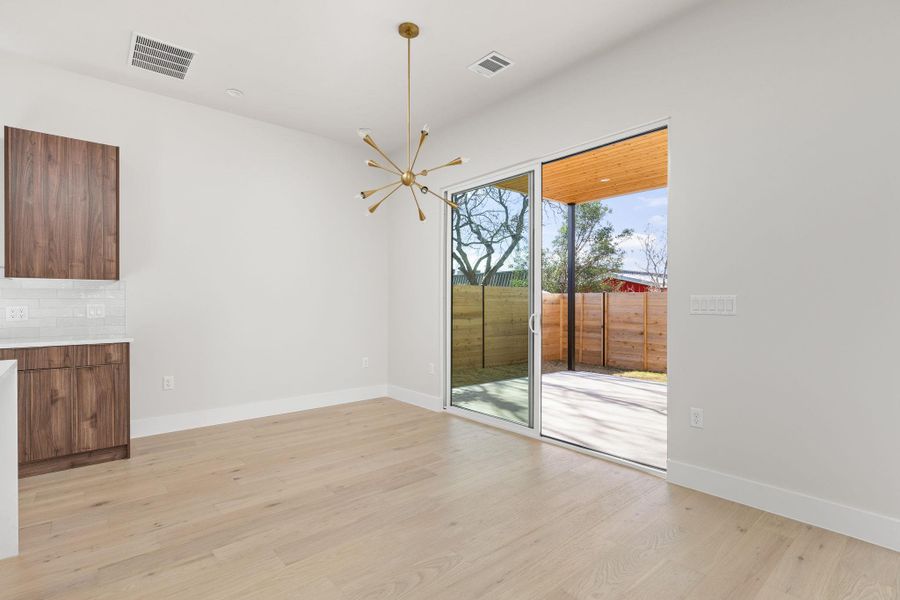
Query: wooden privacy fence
[[616, 329]]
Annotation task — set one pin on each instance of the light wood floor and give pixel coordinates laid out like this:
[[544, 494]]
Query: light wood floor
[[383, 500]]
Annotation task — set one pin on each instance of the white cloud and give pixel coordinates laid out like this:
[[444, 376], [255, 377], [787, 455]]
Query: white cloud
[[657, 220], [632, 243], [633, 251]]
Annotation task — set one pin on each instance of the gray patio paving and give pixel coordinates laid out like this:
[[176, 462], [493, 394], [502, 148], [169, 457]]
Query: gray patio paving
[[616, 415]]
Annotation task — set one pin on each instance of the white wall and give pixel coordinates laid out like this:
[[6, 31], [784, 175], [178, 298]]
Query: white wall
[[251, 275], [784, 190]]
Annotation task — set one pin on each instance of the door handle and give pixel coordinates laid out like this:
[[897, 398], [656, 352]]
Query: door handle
[[531, 324]]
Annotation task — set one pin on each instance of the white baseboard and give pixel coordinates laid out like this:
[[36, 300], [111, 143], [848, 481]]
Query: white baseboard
[[252, 410], [854, 522], [414, 397]]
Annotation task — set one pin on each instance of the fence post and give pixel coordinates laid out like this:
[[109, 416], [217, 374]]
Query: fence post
[[483, 319], [605, 327], [645, 330], [560, 303], [581, 329]]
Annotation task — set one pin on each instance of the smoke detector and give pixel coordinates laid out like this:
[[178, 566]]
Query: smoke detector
[[159, 57], [490, 65]]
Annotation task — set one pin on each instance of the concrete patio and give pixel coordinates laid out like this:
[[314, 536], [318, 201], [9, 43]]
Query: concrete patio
[[616, 415]]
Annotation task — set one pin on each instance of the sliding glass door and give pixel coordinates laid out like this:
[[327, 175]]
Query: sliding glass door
[[491, 296]]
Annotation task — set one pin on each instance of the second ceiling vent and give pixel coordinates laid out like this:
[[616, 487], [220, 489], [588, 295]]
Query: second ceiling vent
[[491, 64], [160, 57]]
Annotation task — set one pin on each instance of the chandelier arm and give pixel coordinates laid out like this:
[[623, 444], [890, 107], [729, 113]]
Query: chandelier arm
[[449, 203], [422, 137], [368, 139], [375, 206], [452, 163], [376, 190], [416, 199], [375, 165]]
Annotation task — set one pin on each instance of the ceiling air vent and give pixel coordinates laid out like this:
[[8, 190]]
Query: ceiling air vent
[[491, 64], [154, 55]]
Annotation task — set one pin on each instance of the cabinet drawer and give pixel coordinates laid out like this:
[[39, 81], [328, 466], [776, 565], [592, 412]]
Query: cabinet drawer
[[59, 357], [100, 354], [51, 357]]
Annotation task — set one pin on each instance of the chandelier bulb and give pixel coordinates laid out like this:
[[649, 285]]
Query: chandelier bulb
[[362, 132], [425, 129], [464, 159], [359, 196]]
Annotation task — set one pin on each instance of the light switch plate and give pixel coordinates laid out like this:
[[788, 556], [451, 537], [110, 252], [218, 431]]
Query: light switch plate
[[96, 311], [16, 313], [714, 304], [168, 382]]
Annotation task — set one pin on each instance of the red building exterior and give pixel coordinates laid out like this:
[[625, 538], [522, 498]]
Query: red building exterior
[[632, 281]]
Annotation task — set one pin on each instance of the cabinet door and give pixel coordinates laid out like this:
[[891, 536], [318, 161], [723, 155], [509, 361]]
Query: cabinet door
[[100, 412], [49, 405], [62, 207], [37, 205], [22, 412], [94, 222]]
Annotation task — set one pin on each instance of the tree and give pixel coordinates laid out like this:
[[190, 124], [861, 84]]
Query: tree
[[654, 246], [597, 255], [487, 229]]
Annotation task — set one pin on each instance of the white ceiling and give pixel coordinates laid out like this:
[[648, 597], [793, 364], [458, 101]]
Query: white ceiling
[[329, 67]]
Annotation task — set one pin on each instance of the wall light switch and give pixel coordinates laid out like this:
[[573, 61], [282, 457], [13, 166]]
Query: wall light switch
[[718, 304], [16, 313], [96, 311], [365, 362], [168, 382]]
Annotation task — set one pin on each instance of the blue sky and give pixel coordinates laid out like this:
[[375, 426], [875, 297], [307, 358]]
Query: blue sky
[[634, 211]]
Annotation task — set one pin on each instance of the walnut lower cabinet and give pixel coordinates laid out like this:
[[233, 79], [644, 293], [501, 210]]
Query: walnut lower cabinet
[[73, 406]]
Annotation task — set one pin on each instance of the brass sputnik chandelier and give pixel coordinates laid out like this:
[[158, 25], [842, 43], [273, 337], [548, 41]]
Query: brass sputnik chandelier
[[408, 176]]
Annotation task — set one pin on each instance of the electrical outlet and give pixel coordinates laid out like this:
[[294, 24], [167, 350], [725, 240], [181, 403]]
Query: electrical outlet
[[16, 313], [365, 362], [168, 382], [96, 311], [697, 417], [431, 368]]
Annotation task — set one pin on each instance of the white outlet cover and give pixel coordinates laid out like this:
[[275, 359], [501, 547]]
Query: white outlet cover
[[16, 313], [168, 382], [697, 417]]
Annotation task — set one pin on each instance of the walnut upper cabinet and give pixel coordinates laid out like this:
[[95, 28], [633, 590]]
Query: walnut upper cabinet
[[62, 207]]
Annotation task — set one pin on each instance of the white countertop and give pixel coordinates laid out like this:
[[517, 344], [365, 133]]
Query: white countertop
[[62, 341]]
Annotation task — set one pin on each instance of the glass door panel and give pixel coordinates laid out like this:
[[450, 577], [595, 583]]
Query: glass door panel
[[491, 337]]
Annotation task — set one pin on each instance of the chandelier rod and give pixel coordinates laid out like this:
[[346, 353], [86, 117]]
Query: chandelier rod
[[408, 98]]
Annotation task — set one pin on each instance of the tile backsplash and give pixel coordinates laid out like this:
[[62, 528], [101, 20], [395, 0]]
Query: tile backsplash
[[58, 308]]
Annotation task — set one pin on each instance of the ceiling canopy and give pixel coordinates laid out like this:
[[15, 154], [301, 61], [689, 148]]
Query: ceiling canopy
[[637, 164]]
